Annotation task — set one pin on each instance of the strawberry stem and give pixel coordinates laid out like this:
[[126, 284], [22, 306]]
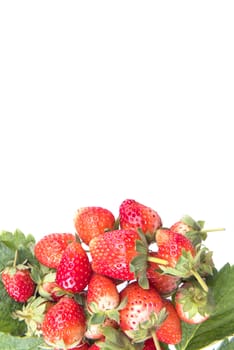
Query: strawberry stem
[[200, 280], [15, 258], [157, 260], [155, 339], [213, 230]]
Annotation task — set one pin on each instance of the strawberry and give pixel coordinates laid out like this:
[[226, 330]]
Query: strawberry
[[18, 282], [193, 304], [143, 307], [102, 293], [112, 252], [171, 245], [149, 345], [74, 270], [183, 259], [64, 324], [49, 249], [170, 331], [134, 215], [93, 221], [164, 283]]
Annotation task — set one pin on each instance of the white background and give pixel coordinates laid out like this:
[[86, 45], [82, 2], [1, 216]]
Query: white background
[[106, 100]]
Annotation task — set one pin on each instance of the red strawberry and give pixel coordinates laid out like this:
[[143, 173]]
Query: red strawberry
[[141, 305], [64, 324], [149, 345], [74, 270], [164, 283], [193, 304], [170, 331], [180, 227], [93, 221], [183, 259], [171, 245], [112, 252], [49, 249], [18, 283], [134, 215], [102, 291]]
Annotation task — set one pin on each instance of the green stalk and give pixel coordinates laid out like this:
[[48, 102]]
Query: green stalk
[[157, 260], [200, 280], [155, 339]]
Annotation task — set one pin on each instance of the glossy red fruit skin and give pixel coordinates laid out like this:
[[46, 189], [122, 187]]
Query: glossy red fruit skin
[[171, 246], [103, 292], [134, 215], [19, 285], [165, 284], [90, 222], [112, 253], [170, 332], [64, 321], [49, 249], [74, 270], [140, 304]]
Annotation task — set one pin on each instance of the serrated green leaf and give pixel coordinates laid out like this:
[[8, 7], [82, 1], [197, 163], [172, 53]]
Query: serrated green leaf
[[221, 324], [9, 342]]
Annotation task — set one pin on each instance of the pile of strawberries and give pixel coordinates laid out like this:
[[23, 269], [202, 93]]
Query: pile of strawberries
[[117, 283]]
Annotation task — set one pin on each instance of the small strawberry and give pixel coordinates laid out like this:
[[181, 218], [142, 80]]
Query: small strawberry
[[193, 304], [183, 259], [18, 282], [74, 270], [170, 331], [165, 284], [112, 252], [64, 324], [49, 249], [171, 246], [134, 215], [142, 314], [102, 293], [149, 345], [93, 221]]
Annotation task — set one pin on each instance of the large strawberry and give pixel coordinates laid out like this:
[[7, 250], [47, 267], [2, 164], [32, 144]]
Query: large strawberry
[[170, 331], [64, 324], [49, 249], [93, 221], [135, 215], [112, 253], [142, 314], [74, 270]]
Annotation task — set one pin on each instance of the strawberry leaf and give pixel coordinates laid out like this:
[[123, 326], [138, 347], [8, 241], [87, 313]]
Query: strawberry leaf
[[221, 324], [9, 342]]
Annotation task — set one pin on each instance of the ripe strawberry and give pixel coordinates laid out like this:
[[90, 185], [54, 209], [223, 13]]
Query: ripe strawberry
[[170, 331], [193, 304], [18, 283], [171, 245], [74, 270], [49, 249], [93, 221], [64, 324], [103, 293], [134, 215], [143, 305], [149, 345], [112, 253], [164, 283]]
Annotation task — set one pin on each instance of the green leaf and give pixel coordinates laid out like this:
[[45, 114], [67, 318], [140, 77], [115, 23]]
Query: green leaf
[[221, 324], [9, 342]]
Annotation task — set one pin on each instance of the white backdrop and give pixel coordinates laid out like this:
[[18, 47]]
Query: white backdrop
[[103, 101]]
